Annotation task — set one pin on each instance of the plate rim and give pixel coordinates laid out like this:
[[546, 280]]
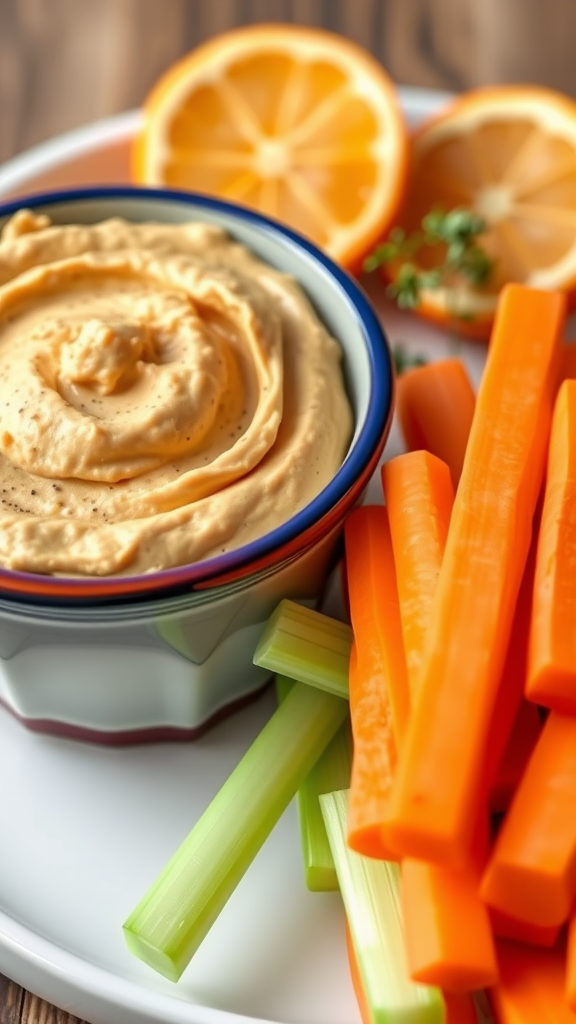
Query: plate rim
[[90, 982], [45, 156]]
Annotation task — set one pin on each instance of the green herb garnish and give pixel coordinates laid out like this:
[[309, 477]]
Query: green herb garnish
[[404, 360], [458, 230]]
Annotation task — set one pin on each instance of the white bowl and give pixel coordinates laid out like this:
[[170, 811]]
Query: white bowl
[[161, 655]]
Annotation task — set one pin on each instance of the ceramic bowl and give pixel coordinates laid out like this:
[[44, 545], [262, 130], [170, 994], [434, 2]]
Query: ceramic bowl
[[162, 654]]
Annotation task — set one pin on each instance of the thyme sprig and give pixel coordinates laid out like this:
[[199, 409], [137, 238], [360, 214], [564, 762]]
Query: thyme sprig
[[458, 230], [405, 360]]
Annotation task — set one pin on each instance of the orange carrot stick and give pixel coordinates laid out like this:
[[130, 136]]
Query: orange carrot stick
[[419, 498], [531, 986], [439, 776], [568, 371], [357, 985], [511, 689], [506, 927], [531, 874], [447, 928], [435, 405], [459, 1008], [374, 607], [571, 963], [374, 757], [523, 739], [448, 936], [552, 650], [379, 697]]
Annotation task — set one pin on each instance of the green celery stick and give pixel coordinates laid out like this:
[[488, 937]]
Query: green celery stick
[[173, 917], [371, 894], [308, 646], [331, 771]]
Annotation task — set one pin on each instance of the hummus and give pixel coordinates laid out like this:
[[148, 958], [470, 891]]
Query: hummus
[[164, 396]]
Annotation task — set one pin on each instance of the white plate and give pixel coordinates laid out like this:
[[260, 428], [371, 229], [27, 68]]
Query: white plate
[[86, 829]]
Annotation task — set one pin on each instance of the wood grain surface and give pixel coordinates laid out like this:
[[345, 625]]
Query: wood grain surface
[[64, 63]]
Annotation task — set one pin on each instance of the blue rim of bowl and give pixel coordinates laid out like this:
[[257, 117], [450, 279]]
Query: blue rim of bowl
[[368, 444]]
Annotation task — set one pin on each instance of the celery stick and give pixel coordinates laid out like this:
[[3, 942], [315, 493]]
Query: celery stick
[[331, 771], [173, 917], [308, 646], [371, 894]]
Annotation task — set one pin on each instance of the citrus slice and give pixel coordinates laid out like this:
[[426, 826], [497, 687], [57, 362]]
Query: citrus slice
[[297, 123], [508, 154]]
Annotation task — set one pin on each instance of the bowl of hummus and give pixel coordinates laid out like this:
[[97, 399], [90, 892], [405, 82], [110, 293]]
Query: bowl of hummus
[[191, 399]]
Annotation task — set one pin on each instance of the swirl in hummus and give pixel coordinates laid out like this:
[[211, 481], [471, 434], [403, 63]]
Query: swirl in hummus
[[164, 396]]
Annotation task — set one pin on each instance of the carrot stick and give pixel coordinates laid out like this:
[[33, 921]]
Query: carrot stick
[[552, 650], [374, 607], [447, 928], [523, 739], [506, 927], [568, 371], [373, 762], [435, 406], [419, 498], [511, 689], [448, 936], [357, 985], [531, 986], [439, 777], [378, 685], [459, 1008], [571, 963], [509, 695], [531, 874]]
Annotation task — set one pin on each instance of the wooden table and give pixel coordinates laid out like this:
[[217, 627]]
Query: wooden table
[[64, 63]]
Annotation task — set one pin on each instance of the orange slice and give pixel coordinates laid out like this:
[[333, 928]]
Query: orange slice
[[295, 122], [508, 154]]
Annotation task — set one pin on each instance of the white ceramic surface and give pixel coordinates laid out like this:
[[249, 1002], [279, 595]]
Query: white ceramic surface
[[132, 674], [85, 829]]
